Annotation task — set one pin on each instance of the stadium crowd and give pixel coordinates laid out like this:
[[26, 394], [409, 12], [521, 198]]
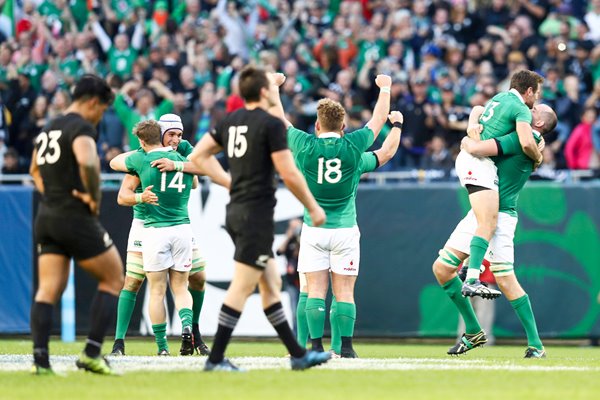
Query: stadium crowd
[[182, 56]]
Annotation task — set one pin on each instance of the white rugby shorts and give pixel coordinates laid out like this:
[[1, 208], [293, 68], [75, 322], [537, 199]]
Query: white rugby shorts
[[337, 250], [134, 240], [479, 171], [168, 248], [502, 247]]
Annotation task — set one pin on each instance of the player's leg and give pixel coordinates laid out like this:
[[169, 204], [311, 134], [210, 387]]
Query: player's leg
[[343, 290], [318, 284], [53, 272], [134, 277], [197, 288], [183, 301], [270, 291], [107, 268], [301, 321], [336, 339], [157, 287], [244, 281], [484, 203], [314, 263]]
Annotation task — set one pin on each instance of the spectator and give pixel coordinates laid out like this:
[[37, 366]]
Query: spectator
[[437, 156], [11, 165], [207, 113], [579, 150]]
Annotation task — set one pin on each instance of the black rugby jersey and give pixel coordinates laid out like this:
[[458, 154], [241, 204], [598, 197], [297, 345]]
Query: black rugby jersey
[[58, 165], [248, 138]]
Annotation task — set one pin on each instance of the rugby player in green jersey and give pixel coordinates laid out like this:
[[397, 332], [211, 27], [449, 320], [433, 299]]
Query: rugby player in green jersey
[[171, 134], [514, 169], [167, 232], [332, 162], [503, 114]]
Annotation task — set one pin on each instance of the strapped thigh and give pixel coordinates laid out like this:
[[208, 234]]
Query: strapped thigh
[[135, 266], [502, 268], [448, 258]]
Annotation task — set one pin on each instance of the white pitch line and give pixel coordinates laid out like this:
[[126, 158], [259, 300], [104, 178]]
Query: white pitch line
[[178, 363]]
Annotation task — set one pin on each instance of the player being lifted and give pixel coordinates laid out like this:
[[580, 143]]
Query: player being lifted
[[171, 135], [256, 146], [66, 170], [503, 113], [332, 162], [514, 169], [167, 233]]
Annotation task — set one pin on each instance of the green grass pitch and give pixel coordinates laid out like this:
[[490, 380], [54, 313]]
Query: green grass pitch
[[384, 371]]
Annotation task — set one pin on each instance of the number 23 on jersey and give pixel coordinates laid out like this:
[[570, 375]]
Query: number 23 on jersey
[[49, 150]]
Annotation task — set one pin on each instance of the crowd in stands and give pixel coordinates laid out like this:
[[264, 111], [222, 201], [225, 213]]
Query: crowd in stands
[[182, 56]]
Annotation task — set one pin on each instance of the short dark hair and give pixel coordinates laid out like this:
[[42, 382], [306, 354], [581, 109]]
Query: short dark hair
[[525, 79], [90, 86], [148, 131], [251, 81]]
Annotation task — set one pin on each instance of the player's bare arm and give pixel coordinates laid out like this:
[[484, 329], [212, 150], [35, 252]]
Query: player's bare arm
[[528, 144], [34, 171], [474, 128], [84, 148], [128, 197], [277, 109], [392, 141], [294, 180], [382, 107], [211, 168], [479, 148], [118, 162], [201, 158]]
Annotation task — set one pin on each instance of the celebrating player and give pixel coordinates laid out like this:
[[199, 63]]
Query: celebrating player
[[66, 170], [171, 133], [514, 168], [256, 147], [502, 114], [332, 163]]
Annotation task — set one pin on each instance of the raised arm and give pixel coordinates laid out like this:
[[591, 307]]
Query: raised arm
[[382, 107], [277, 109], [392, 141], [293, 179], [128, 197]]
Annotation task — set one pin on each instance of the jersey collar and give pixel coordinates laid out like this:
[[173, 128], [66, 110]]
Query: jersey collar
[[516, 93], [168, 148], [327, 135]]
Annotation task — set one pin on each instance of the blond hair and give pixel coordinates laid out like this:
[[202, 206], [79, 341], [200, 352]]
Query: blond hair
[[330, 115], [148, 131]]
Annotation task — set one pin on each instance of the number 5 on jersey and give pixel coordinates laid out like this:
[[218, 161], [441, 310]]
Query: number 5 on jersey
[[237, 144]]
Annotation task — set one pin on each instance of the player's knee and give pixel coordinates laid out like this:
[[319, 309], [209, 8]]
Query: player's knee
[[132, 285], [197, 281], [446, 263]]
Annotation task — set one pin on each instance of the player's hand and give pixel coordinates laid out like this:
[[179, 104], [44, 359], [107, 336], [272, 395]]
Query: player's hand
[[396, 116], [149, 197], [465, 144], [163, 165], [538, 163], [474, 130], [383, 81], [541, 145], [278, 78], [317, 216], [86, 198]]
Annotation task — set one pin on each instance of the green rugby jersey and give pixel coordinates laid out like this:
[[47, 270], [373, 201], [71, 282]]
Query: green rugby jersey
[[121, 62], [332, 166], [514, 169], [502, 113], [185, 148]]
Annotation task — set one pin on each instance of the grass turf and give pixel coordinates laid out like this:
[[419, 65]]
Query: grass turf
[[517, 378]]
